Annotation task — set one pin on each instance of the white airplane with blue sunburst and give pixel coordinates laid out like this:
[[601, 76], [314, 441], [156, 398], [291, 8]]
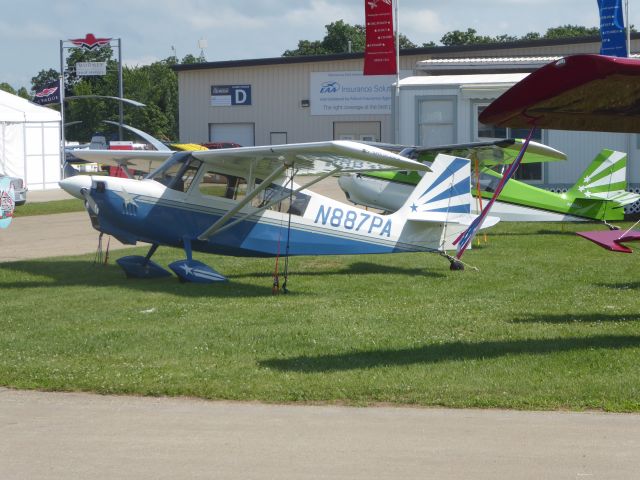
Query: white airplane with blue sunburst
[[245, 202]]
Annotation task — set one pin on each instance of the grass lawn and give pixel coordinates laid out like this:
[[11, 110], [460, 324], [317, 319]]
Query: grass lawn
[[550, 321], [47, 208]]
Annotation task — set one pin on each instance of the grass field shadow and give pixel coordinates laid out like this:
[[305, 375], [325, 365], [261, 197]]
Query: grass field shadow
[[83, 273], [621, 286], [582, 318], [448, 352]]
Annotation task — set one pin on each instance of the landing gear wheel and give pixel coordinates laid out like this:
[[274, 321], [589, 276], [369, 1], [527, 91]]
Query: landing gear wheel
[[456, 265]]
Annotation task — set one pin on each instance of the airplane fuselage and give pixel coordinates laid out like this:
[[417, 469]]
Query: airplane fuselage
[[147, 211], [518, 202]]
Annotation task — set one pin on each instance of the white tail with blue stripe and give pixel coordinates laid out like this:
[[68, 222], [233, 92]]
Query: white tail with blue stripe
[[444, 194]]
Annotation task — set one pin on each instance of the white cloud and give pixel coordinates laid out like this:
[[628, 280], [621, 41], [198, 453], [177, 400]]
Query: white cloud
[[421, 26]]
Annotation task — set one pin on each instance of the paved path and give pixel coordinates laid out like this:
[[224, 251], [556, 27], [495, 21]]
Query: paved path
[[82, 436], [49, 236]]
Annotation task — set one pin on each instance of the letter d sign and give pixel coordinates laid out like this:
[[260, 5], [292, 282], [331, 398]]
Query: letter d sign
[[241, 95]]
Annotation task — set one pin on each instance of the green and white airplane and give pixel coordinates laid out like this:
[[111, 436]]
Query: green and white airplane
[[599, 194]]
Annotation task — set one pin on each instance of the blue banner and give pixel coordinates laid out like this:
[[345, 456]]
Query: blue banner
[[612, 31]]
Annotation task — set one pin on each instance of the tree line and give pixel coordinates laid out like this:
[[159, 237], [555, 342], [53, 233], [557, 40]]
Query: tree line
[[156, 85]]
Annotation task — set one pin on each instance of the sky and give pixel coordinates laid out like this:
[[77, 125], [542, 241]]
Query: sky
[[151, 30]]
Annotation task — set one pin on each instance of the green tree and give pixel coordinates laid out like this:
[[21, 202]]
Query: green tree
[[188, 59], [305, 48], [339, 34], [337, 39], [458, 37], [43, 78], [7, 88], [24, 93], [568, 31]]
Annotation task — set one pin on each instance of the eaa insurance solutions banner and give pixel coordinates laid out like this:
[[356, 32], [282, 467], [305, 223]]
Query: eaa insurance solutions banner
[[350, 93]]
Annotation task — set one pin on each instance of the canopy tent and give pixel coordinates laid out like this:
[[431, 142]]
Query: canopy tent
[[29, 142]]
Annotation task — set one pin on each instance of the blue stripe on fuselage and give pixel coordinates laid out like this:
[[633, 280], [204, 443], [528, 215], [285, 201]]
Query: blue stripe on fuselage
[[168, 222]]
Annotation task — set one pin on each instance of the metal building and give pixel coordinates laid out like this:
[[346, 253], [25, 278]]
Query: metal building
[[302, 99]]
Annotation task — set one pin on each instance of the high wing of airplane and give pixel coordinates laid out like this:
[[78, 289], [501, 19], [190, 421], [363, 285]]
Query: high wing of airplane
[[245, 202], [580, 92], [7, 201], [488, 153], [597, 195]]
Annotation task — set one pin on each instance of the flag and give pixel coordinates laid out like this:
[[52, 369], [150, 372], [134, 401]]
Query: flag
[[466, 237], [612, 30], [50, 93], [380, 50]]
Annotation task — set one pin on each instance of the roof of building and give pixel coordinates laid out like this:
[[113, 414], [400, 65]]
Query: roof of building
[[434, 64], [477, 79], [426, 51]]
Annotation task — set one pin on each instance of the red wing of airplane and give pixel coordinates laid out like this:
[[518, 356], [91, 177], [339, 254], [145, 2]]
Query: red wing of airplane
[[581, 92]]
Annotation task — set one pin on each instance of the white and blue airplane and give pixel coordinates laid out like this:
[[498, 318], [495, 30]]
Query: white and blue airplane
[[244, 202]]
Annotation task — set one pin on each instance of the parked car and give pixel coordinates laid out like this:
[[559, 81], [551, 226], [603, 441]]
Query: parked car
[[20, 191]]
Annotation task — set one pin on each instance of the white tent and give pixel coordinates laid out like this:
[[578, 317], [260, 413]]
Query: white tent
[[29, 142]]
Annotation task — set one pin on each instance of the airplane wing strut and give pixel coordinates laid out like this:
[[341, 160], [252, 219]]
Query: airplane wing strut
[[246, 200], [276, 200]]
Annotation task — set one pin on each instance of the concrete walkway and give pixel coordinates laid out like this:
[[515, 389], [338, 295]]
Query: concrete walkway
[[50, 235], [82, 436]]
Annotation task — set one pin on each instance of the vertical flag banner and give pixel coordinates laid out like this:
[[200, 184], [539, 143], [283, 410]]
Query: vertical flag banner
[[50, 93], [612, 31], [379, 52]]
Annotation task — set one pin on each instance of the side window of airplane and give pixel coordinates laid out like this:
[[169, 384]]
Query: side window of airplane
[[215, 184], [187, 175], [178, 173], [282, 200]]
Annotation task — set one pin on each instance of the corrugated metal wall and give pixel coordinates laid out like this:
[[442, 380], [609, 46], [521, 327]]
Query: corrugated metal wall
[[277, 91]]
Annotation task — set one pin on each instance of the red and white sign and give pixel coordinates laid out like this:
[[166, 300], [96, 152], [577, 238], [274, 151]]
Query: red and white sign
[[380, 51], [90, 41]]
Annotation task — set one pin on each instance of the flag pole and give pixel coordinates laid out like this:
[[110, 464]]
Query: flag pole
[[626, 18], [397, 51], [63, 142], [397, 112]]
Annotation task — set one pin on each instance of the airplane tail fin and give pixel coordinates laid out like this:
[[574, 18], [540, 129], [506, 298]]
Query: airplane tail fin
[[605, 179], [442, 194]]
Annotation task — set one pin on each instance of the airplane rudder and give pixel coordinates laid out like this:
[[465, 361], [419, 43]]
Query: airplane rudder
[[606, 164], [447, 185]]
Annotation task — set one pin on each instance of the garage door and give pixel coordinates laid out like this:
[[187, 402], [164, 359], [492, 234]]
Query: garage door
[[240, 133]]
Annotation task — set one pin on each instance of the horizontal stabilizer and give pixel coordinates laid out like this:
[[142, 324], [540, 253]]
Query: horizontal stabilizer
[[459, 218], [612, 239]]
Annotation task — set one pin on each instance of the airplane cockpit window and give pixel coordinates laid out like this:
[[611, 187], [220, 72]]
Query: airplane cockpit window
[[178, 172], [282, 200], [217, 184]]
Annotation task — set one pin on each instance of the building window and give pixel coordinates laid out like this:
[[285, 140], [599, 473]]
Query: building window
[[436, 122], [526, 171]]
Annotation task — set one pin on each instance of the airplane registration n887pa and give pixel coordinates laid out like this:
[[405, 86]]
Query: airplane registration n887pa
[[245, 202]]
